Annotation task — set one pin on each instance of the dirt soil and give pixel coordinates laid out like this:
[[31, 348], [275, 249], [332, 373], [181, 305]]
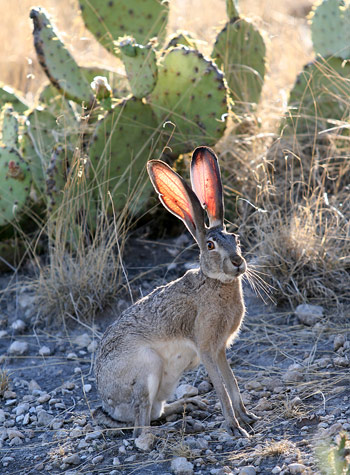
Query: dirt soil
[[294, 376]]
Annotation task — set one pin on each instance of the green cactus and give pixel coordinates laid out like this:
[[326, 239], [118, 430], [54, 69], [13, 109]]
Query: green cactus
[[57, 62], [15, 182], [109, 19], [232, 9], [122, 144], [184, 38], [8, 95], [140, 64], [43, 132], [191, 93], [321, 92], [56, 176], [240, 51], [330, 28], [9, 130]]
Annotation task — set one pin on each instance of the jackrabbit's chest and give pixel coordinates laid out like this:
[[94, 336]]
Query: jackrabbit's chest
[[177, 355]]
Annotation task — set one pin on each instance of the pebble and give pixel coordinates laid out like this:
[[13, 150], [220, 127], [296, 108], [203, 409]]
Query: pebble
[[73, 459], [98, 459], [21, 408], [204, 387], [12, 433], [181, 466], [26, 300], [309, 314], [44, 418], [93, 346], [186, 390], [339, 341], [248, 470], [341, 361], [72, 356], [18, 348], [276, 469], [145, 442], [9, 394], [293, 374], [18, 326], [263, 405], [296, 468], [44, 398], [83, 341], [44, 351], [87, 388]]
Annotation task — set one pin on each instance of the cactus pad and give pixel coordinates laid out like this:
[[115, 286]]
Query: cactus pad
[[141, 66], [184, 38], [57, 62], [330, 29], [119, 151], [8, 95], [239, 50], [9, 129], [109, 19], [192, 94], [321, 92], [15, 182], [56, 175]]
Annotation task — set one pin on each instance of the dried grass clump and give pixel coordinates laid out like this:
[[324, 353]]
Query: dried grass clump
[[305, 251]]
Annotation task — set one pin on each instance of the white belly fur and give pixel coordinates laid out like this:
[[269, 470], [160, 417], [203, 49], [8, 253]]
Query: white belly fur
[[177, 356]]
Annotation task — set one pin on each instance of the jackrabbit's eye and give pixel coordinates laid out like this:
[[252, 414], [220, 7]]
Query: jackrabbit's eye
[[210, 245]]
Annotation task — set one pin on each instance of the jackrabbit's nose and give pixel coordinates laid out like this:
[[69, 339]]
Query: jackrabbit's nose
[[236, 260]]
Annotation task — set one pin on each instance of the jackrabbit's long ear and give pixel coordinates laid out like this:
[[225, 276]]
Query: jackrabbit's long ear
[[177, 197], [206, 183]]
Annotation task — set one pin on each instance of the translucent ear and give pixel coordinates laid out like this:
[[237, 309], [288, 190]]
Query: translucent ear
[[177, 197], [206, 183]]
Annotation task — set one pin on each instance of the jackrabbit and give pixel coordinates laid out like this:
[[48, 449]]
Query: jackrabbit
[[143, 354]]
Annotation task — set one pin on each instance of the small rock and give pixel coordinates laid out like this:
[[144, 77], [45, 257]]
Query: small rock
[[181, 466], [21, 408], [3, 333], [247, 470], [339, 341], [83, 341], [93, 435], [341, 361], [2, 416], [98, 459], [72, 356], [116, 461], [16, 441], [204, 387], [12, 433], [44, 418], [18, 348], [253, 385], [276, 470], [293, 374], [44, 351], [186, 390], [44, 398], [93, 346], [145, 441], [73, 459], [87, 388], [26, 300], [9, 394], [33, 386], [309, 314], [263, 405], [296, 468], [18, 326]]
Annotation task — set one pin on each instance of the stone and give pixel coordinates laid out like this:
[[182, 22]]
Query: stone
[[18, 326], [87, 388], [276, 470], [186, 390], [253, 385], [98, 459], [26, 300], [247, 470], [44, 418], [9, 394], [12, 433], [73, 459], [93, 346], [18, 347], [263, 405], [44, 351], [21, 408], [296, 468], [33, 386], [44, 398], [145, 442], [309, 314], [181, 466], [339, 341], [72, 356], [341, 361], [204, 387], [293, 374], [16, 441], [83, 341]]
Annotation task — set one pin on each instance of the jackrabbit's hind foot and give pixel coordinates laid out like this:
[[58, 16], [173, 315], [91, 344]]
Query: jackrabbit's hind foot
[[186, 403], [247, 418], [233, 428]]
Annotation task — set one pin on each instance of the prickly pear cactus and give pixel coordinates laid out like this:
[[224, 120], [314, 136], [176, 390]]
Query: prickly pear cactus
[[330, 28], [9, 128], [184, 38], [119, 150], [191, 93], [56, 175], [43, 132], [15, 182], [140, 64], [321, 92], [239, 50], [8, 95], [108, 20], [57, 62]]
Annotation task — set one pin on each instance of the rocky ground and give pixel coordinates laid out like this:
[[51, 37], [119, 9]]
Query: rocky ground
[[292, 367]]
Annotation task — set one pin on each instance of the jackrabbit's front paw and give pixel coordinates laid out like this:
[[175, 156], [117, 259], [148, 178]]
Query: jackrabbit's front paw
[[194, 403], [235, 429]]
